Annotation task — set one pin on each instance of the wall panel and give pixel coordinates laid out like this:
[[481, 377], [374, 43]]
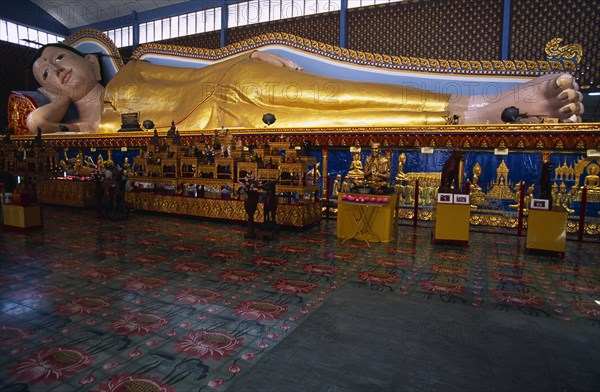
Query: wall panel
[[447, 29]]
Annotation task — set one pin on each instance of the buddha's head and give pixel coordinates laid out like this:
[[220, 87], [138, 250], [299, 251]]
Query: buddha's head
[[375, 149], [63, 70]]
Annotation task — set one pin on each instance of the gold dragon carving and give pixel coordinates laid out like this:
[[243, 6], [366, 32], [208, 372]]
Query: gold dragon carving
[[555, 50]]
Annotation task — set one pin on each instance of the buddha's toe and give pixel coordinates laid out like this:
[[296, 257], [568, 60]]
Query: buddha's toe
[[571, 109]]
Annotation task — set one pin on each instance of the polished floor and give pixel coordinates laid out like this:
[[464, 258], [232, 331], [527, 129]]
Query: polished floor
[[163, 303]]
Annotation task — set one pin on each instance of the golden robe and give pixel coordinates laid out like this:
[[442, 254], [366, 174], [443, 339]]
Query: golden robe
[[239, 91]]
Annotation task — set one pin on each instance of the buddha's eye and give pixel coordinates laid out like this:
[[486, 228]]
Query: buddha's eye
[[60, 57]]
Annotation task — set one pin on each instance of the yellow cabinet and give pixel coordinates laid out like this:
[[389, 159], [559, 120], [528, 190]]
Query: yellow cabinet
[[22, 217], [547, 230], [452, 222]]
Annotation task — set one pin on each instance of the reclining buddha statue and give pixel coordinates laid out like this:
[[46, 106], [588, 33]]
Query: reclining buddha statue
[[238, 90]]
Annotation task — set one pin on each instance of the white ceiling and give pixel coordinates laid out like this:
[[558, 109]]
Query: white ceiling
[[77, 13]]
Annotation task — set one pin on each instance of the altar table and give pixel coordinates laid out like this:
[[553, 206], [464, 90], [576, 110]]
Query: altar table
[[368, 221]]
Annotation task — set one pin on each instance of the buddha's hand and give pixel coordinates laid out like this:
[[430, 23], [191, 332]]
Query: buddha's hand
[[275, 59]]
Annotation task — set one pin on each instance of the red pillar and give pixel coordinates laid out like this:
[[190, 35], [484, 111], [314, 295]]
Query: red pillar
[[416, 206], [581, 228], [521, 208]]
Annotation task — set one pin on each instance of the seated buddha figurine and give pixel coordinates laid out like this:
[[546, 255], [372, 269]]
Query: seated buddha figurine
[[592, 180], [377, 168], [356, 168], [401, 176]]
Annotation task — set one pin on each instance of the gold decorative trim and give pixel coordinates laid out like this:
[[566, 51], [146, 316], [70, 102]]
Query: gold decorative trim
[[66, 193], [484, 67], [491, 129], [103, 39], [294, 215], [498, 221], [561, 136]]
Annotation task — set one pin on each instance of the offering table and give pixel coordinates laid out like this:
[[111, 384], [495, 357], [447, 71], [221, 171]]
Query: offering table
[[369, 221]]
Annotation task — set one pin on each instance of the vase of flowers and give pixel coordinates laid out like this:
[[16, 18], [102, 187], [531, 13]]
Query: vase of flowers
[[250, 185]]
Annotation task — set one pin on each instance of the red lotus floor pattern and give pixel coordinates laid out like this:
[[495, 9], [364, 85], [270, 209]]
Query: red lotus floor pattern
[[169, 304]]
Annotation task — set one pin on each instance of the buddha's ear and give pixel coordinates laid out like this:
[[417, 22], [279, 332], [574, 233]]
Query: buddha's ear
[[95, 62]]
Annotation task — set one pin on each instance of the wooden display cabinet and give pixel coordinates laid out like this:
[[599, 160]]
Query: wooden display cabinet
[[139, 165], [224, 168], [206, 171], [154, 169], [169, 167], [188, 166], [245, 168], [268, 174], [292, 173]]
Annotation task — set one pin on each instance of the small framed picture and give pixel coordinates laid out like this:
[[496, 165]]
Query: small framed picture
[[444, 198], [461, 199], [539, 204]]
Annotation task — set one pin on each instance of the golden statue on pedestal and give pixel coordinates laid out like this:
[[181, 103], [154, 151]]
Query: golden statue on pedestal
[[377, 168], [592, 181], [356, 169], [501, 188], [337, 186], [563, 198], [401, 176], [477, 195], [346, 185]]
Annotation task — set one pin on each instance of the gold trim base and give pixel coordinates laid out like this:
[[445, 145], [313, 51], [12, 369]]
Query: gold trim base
[[292, 215]]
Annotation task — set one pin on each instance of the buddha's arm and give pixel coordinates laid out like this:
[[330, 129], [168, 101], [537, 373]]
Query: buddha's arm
[[274, 59], [48, 117]]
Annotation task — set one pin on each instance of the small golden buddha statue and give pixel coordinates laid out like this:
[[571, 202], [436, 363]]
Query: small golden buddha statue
[[346, 185], [100, 162], [476, 174], [401, 176], [565, 198], [592, 180], [356, 168], [337, 186]]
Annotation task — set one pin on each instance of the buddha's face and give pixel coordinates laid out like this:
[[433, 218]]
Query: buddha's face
[[62, 72]]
